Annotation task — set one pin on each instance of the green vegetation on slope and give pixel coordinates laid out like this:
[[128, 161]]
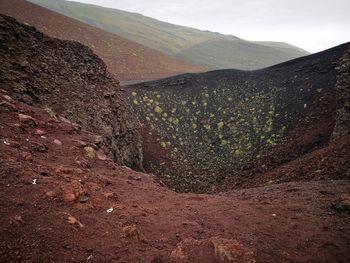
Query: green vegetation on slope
[[216, 51], [201, 129], [212, 129], [125, 59]]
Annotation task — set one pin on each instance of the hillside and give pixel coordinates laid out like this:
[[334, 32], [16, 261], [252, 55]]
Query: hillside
[[68, 79], [213, 50], [202, 130], [125, 59], [63, 200]]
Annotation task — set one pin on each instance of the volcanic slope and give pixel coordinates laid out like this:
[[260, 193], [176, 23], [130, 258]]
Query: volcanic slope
[[200, 129], [125, 59], [61, 203], [67, 78], [63, 200], [213, 50]]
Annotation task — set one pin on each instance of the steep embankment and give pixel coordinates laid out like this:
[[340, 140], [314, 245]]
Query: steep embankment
[[68, 79], [213, 50], [125, 59], [59, 202], [200, 128], [317, 148]]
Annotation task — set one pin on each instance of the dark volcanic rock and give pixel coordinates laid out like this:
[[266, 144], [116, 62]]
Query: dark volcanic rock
[[68, 79], [342, 125], [200, 128]]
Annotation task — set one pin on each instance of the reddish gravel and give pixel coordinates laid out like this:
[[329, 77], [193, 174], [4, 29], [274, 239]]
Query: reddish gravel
[[63, 216]]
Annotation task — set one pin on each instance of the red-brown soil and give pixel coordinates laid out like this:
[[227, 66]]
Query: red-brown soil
[[125, 59], [63, 216], [63, 200]]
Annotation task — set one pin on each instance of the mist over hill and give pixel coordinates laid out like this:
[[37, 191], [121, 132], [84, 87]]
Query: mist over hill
[[213, 50]]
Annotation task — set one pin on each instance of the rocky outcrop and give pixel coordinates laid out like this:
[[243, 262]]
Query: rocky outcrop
[[68, 79], [342, 125]]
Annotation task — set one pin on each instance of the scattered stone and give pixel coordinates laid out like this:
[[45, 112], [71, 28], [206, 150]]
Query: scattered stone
[[27, 121], [110, 210], [98, 139], [51, 194], [101, 156], [131, 231], [40, 132], [68, 196], [35, 181], [108, 195], [26, 156], [8, 106], [39, 147], [84, 198], [80, 144], [7, 97], [65, 120], [57, 142], [73, 221]]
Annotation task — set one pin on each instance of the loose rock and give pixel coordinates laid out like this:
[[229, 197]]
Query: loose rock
[[101, 156], [26, 156], [40, 132], [57, 142], [73, 221], [27, 121], [8, 106]]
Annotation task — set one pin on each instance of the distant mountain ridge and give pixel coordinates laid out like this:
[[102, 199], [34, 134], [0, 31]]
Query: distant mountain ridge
[[213, 50], [125, 59]]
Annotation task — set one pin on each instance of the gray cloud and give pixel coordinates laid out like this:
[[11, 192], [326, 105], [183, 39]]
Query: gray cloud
[[310, 24]]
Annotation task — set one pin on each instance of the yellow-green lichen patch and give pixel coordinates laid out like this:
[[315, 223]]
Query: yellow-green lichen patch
[[209, 129], [158, 109]]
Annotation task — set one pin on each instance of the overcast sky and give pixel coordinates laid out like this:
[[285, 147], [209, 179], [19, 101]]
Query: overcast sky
[[314, 25]]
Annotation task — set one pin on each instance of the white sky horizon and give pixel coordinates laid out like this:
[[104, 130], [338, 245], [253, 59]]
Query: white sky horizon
[[313, 25]]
